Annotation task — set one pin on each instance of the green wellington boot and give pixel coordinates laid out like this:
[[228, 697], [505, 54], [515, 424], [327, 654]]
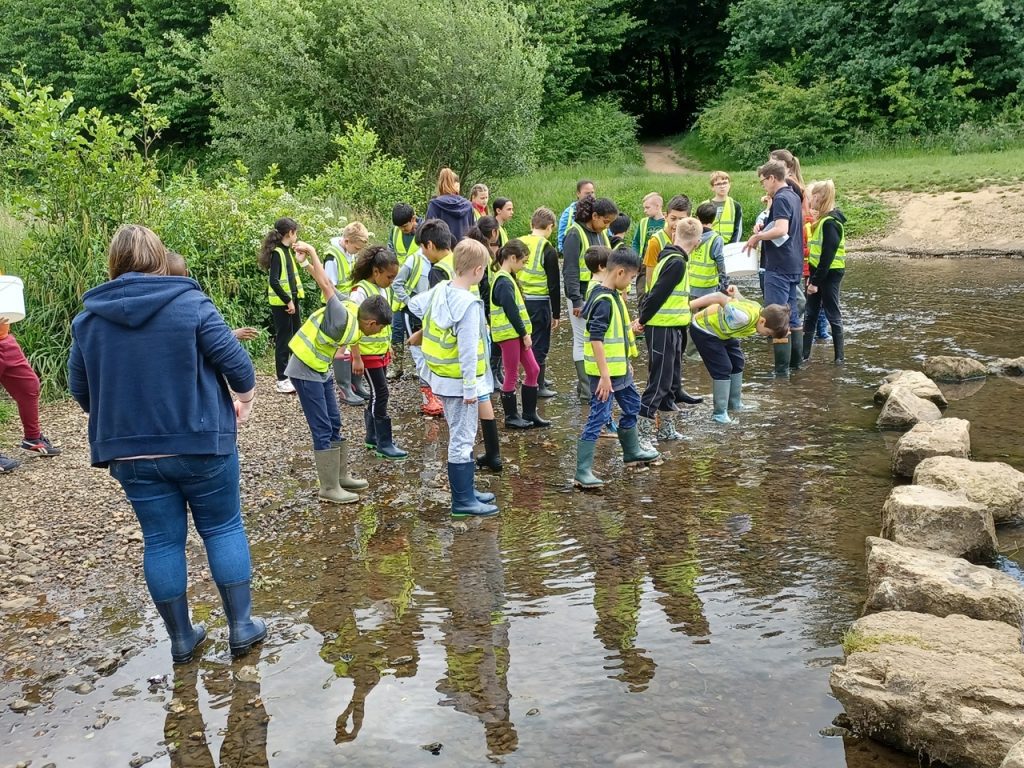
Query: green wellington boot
[[328, 470], [585, 477], [629, 439], [720, 399], [736, 394], [782, 350]]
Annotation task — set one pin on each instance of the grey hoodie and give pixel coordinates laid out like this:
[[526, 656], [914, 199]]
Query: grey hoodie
[[462, 312]]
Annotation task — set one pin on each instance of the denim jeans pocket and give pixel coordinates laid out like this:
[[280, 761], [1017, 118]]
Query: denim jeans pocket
[[196, 466], [122, 471]]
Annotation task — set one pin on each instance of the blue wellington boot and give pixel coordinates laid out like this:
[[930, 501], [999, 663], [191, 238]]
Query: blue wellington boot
[[185, 637], [464, 500], [244, 631]]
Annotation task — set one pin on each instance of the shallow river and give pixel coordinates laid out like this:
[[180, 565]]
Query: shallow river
[[683, 616]]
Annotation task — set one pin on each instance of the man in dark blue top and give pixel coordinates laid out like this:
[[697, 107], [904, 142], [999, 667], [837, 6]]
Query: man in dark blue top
[[783, 239]]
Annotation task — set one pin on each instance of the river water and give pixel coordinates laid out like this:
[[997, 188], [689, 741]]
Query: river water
[[687, 615]]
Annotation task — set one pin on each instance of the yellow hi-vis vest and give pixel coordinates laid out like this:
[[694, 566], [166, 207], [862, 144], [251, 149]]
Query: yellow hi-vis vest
[[619, 344], [814, 245], [584, 245], [725, 221], [379, 343], [344, 269], [440, 346], [447, 265], [314, 347], [287, 257], [399, 247], [701, 269], [502, 237], [713, 319], [532, 277], [501, 327], [675, 312], [662, 237], [644, 223]]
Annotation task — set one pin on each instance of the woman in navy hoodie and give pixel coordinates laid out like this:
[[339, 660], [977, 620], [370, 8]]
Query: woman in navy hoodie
[[453, 209], [151, 363]]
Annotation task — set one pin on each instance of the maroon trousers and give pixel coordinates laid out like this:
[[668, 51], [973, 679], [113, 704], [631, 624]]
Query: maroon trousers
[[21, 382]]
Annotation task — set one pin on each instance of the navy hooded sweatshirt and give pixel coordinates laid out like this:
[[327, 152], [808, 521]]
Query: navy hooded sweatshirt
[[455, 211], [151, 362]]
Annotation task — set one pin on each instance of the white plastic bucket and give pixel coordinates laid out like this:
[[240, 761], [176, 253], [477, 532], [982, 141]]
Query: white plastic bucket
[[739, 263], [12, 298]]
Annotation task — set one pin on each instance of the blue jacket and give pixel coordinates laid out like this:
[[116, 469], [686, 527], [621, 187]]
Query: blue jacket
[[455, 211], [149, 360]]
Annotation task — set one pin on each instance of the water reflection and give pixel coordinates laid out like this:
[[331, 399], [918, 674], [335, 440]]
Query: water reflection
[[245, 736], [476, 637]]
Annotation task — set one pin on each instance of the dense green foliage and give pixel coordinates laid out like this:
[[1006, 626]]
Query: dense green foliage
[[812, 76]]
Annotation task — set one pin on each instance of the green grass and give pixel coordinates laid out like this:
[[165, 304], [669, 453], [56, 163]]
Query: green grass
[[8, 412], [855, 641], [894, 167]]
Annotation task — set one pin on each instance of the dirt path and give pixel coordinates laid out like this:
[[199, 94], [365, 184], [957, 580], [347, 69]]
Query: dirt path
[[988, 221], [662, 159]]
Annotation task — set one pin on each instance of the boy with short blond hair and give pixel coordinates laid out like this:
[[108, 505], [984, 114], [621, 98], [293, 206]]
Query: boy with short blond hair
[[652, 223], [728, 221], [678, 208], [452, 342]]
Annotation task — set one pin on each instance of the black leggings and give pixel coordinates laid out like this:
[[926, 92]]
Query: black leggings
[[285, 326], [377, 378]]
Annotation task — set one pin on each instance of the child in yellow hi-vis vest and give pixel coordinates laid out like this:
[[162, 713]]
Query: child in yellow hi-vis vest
[[337, 324], [455, 351], [608, 347], [719, 321]]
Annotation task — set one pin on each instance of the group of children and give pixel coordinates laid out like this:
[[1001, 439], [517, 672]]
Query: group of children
[[477, 313]]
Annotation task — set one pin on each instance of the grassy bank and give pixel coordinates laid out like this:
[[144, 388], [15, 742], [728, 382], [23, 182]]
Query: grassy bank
[[893, 168]]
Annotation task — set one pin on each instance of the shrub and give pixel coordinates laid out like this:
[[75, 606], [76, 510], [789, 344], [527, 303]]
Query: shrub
[[363, 178], [595, 130]]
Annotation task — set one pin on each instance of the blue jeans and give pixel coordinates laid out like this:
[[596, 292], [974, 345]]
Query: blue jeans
[[159, 490], [320, 407], [782, 288], [601, 413], [398, 327]]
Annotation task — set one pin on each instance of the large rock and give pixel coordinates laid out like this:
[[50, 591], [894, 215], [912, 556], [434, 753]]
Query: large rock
[[1015, 757], [908, 579], [1008, 366], [916, 382], [945, 437], [930, 518], [903, 409], [996, 486], [951, 688], [947, 368]]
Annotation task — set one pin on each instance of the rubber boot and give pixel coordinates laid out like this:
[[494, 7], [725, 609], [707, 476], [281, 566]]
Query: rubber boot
[[685, 398], [736, 394], [345, 478], [185, 637], [512, 417], [464, 501], [359, 387], [720, 398], [838, 344], [544, 389], [629, 439], [328, 470], [370, 441], [808, 341], [491, 459], [645, 428], [530, 395], [431, 404], [582, 383], [585, 477], [483, 497], [386, 448], [244, 630], [781, 348], [666, 427], [343, 377], [796, 355], [397, 364]]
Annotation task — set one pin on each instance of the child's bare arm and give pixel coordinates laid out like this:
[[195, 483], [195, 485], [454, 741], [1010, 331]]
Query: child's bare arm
[[316, 269]]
